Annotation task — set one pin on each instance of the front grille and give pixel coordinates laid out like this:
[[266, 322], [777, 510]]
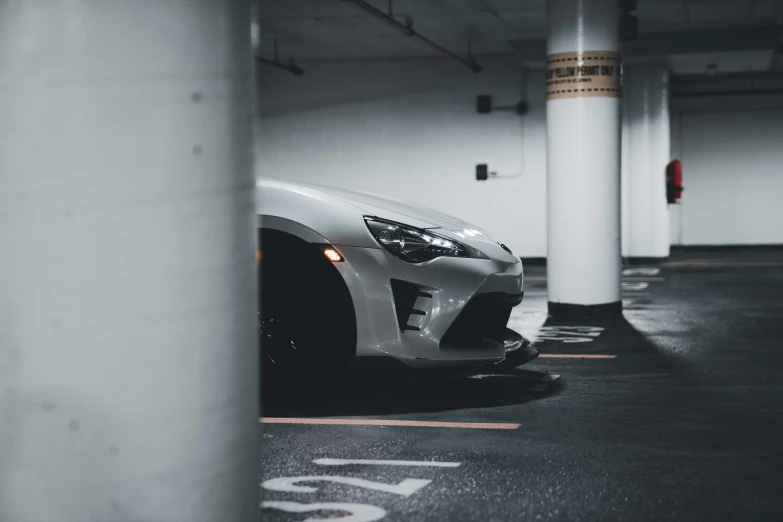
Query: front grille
[[486, 315]]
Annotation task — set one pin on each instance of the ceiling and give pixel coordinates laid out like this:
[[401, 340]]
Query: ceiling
[[337, 29]]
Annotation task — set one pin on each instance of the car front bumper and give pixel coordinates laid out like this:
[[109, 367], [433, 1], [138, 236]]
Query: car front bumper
[[448, 311]]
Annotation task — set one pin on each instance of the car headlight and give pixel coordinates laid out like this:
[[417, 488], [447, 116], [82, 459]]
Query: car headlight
[[416, 245]]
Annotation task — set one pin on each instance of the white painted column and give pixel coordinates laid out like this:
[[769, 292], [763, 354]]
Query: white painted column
[[128, 348], [583, 159], [646, 151]]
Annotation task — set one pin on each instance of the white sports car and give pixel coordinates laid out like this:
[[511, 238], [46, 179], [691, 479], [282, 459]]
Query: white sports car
[[346, 274]]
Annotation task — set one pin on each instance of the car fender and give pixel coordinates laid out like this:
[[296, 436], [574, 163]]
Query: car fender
[[330, 218], [291, 227]]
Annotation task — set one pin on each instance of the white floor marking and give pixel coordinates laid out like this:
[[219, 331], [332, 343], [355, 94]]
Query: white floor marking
[[576, 356], [626, 277], [635, 286], [391, 422], [568, 334], [626, 295], [568, 340], [358, 512], [547, 379], [641, 271], [406, 488], [365, 462]]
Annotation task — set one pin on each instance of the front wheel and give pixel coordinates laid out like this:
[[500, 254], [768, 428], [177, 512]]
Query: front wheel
[[306, 318]]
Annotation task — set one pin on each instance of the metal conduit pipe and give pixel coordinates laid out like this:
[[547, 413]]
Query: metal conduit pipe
[[408, 30], [743, 92], [289, 67], [275, 62]]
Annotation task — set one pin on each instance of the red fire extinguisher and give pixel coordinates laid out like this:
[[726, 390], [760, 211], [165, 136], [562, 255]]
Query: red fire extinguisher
[[674, 181]]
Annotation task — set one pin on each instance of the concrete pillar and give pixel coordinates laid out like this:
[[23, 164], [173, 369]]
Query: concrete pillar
[[646, 151], [583, 158], [128, 348]]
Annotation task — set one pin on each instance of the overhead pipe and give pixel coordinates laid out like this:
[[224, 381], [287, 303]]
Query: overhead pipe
[[408, 30], [289, 67], [742, 92]]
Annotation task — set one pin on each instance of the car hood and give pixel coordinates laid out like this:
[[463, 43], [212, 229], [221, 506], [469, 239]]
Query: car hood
[[419, 217]]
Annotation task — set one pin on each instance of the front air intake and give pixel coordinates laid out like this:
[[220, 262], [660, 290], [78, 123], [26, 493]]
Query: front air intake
[[405, 295], [485, 315]]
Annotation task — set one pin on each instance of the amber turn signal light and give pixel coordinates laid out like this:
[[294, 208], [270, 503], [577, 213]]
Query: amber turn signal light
[[333, 255]]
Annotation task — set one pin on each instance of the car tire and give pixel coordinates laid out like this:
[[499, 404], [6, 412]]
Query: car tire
[[306, 317]]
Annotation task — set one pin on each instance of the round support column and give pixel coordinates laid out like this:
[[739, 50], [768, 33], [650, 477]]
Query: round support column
[[646, 152], [128, 306], [583, 159]]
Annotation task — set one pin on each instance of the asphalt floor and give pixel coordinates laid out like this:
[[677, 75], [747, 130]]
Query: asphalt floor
[[674, 413]]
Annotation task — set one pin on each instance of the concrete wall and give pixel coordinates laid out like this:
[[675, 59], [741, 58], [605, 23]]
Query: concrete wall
[[409, 129], [732, 169]]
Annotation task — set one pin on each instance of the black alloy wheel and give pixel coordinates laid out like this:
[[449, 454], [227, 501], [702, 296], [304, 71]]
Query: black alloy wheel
[[306, 318]]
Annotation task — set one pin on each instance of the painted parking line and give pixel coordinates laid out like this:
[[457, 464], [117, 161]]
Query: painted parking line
[[723, 264], [638, 279], [641, 271], [575, 356], [625, 296], [391, 422], [368, 462]]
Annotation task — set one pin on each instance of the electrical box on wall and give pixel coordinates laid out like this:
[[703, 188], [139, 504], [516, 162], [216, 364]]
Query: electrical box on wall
[[483, 173], [484, 106], [629, 24], [629, 28], [483, 103]]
